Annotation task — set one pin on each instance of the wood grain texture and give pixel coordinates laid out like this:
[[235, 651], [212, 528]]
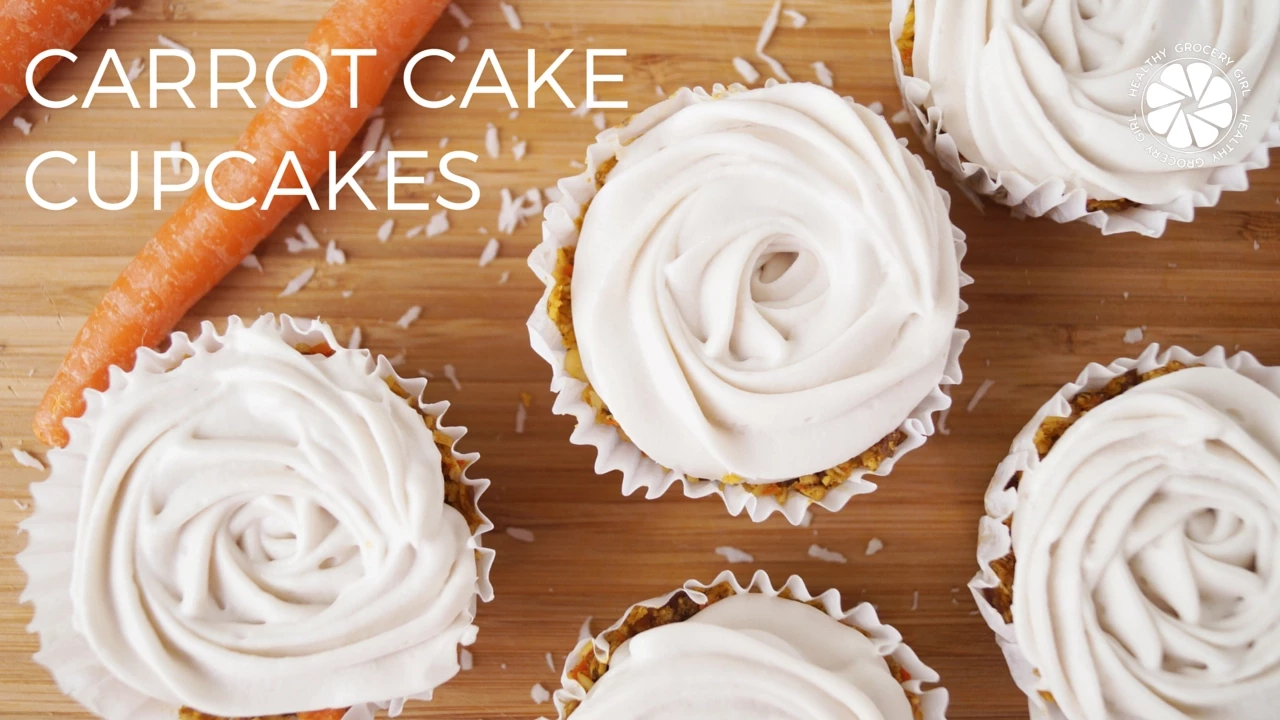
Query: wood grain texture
[[1048, 299]]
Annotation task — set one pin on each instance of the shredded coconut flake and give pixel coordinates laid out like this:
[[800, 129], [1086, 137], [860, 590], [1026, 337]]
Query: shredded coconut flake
[[333, 255], [492, 144], [460, 15], [901, 118], [384, 230], [346, 294], [824, 74], [444, 143], [539, 694], [520, 149], [173, 44], [514, 211], [464, 42], [490, 252], [308, 237], [513, 17], [746, 70], [26, 459], [734, 555], [382, 173], [657, 90], [874, 545], [521, 534], [797, 19], [506, 275], [372, 136], [409, 317], [876, 107], [23, 125], [465, 661], [766, 34], [1134, 335], [584, 632], [451, 374], [439, 224], [116, 14], [915, 599], [414, 231], [252, 262], [583, 109], [397, 360], [353, 343], [297, 283], [942, 422], [599, 121], [135, 68], [551, 663], [522, 415], [980, 393], [21, 505], [825, 555]]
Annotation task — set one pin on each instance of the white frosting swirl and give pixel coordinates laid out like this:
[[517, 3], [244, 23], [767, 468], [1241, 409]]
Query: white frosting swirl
[[264, 532], [766, 285], [749, 657], [1045, 87], [1148, 554]]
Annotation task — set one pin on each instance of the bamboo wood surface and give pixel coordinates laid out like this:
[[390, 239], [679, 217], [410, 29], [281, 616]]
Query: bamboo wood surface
[[1048, 299]]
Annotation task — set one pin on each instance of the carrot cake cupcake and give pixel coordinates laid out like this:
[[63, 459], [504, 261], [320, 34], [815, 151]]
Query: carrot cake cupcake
[[253, 523], [753, 293], [754, 653], [1124, 115], [1129, 556]]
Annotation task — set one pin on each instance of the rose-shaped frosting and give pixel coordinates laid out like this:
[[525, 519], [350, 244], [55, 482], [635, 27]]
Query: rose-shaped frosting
[[262, 532], [1047, 88], [1148, 554], [766, 284], [749, 657]]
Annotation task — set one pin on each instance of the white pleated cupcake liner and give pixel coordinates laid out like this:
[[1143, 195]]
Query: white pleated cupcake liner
[[51, 528], [995, 539], [560, 229], [863, 617], [1052, 197]]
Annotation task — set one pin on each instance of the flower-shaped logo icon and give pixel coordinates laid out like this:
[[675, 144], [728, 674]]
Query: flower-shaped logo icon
[[1189, 105]]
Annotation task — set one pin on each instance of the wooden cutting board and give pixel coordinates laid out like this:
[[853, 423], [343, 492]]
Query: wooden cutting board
[[1048, 299]]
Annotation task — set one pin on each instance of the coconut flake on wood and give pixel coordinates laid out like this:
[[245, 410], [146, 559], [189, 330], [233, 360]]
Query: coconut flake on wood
[[490, 252], [748, 71], [551, 663], [513, 17], [252, 262], [297, 283], [23, 125], [438, 225], [521, 534], [539, 694], [464, 42], [308, 237], [116, 14], [385, 229], [1134, 335], [26, 459], [460, 15], [397, 360], [766, 34], [901, 118], [465, 660], [876, 107], [492, 144], [451, 374], [520, 149], [173, 45], [372, 136], [506, 275], [798, 20], [409, 317], [353, 342], [600, 121], [825, 76], [135, 69], [831, 556], [980, 393], [333, 255], [874, 545], [733, 555]]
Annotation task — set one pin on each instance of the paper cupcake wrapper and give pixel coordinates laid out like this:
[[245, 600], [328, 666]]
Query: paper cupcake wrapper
[[1052, 197], [560, 229], [888, 641], [995, 539], [51, 530]]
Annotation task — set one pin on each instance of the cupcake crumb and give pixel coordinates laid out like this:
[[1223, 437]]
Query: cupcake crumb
[[733, 555], [539, 694], [820, 553], [874, 546]]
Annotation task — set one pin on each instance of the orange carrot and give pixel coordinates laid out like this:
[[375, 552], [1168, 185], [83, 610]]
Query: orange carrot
[[196, 247], [28, 28]]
